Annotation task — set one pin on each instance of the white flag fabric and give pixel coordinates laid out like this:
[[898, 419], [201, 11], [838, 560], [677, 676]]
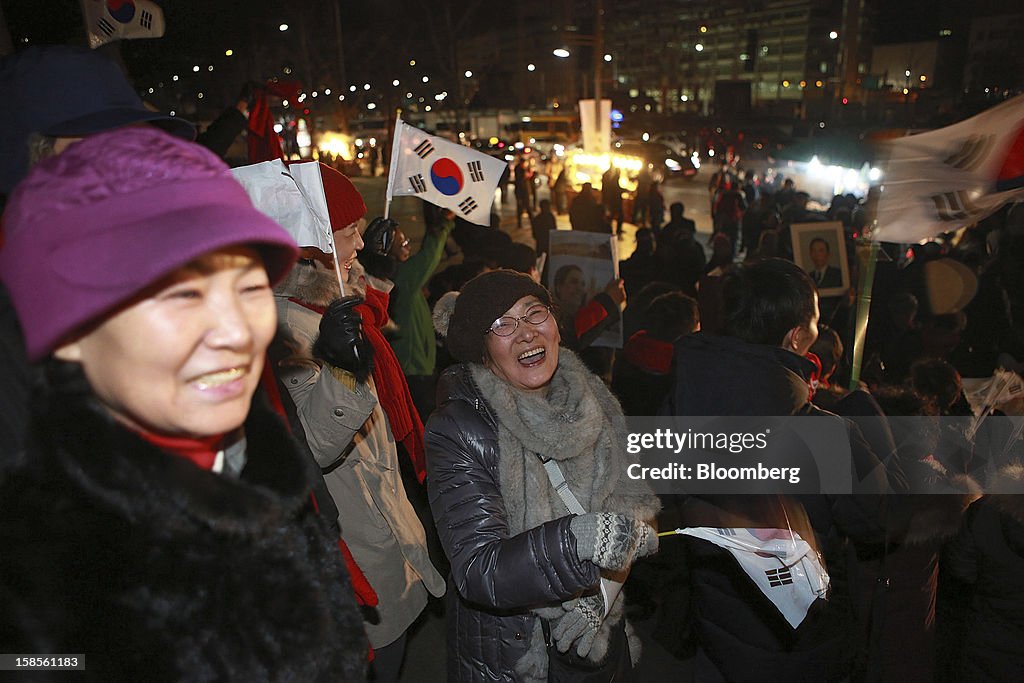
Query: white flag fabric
[[293, 196], [778, 561], [945, 179], [443, 173], [110, 20]]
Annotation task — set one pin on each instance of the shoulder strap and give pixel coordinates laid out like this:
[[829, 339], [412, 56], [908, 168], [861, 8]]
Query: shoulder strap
[[562, 487]]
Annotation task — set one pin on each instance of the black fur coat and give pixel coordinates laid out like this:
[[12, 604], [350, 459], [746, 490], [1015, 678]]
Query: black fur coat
[[157, 570]]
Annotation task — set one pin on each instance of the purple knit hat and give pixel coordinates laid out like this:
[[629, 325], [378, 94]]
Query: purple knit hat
[[90, 228]]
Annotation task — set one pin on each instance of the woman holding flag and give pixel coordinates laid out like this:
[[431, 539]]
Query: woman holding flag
[[347, 392]]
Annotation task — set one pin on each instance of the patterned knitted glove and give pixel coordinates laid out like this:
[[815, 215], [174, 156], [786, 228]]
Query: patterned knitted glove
[[580, 624], [608, 539], [649, 542]]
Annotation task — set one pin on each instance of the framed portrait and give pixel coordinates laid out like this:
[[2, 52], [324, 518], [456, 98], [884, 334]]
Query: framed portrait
[[581, 264], [820, 249]]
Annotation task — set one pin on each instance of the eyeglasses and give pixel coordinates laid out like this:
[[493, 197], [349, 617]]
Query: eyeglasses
[[506, 325]]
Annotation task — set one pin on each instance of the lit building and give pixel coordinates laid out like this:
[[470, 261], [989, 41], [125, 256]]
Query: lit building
[[734, 55]]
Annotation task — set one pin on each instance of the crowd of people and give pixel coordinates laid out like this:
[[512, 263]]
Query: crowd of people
[[226, 457]]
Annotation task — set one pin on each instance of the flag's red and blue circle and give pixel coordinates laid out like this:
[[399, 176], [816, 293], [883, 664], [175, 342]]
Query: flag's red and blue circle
[[446, 176], [121, 10]]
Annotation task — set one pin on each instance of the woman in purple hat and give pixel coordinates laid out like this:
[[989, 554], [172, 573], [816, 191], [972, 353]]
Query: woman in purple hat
[[159, 524]]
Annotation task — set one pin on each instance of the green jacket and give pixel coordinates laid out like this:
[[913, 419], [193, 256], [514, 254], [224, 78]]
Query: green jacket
[[415, 344]]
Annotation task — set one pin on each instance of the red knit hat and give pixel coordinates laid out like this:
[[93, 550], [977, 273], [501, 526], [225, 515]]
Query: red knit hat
[[344, 203]]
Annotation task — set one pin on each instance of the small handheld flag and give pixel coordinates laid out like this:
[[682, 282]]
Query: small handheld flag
[[110, 20], [443, 173]]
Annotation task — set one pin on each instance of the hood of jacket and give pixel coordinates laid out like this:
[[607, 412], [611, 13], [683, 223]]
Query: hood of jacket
[[727, 376]]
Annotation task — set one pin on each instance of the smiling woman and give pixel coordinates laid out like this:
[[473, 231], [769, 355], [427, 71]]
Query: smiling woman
[[141, 275], [536, 568]]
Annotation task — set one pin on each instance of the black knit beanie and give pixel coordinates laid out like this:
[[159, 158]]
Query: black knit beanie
[[482, 300]]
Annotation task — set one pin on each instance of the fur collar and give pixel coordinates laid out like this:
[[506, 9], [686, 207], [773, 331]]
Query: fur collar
[[313, 283], [1011, 480], [79, 441]]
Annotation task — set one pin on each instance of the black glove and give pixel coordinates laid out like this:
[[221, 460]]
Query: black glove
[[342, 342], [379, 236]]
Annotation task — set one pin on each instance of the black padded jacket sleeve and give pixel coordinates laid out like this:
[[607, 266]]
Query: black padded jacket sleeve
[[490, 567]]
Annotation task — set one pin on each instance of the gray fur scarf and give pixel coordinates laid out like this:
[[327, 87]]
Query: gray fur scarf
[[580, 425]]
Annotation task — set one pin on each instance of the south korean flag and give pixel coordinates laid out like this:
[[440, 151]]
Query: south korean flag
[[443, 173]]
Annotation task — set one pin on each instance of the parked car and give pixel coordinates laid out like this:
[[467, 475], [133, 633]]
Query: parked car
[[663, 163], [682, 143]]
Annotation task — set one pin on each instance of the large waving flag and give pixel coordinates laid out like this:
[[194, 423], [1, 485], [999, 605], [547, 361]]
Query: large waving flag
[[110, 20], [945, 179], [443, 173]]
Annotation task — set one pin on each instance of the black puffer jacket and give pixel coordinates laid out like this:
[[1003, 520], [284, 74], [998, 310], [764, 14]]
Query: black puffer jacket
[[497, 578], [742, 635], [158, 570], [988, 554]]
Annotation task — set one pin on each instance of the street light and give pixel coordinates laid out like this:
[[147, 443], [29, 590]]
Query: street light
[[607, 58], [469, 74], [699, 47], [560, 52], [282, 27], [832, 35], [531, 67]]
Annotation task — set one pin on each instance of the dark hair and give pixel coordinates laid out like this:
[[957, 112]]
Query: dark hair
[[382, 267], [563, 273], [823, 241], [672, 315], [765, 300], [828, 347], [937, 382], [519, 257]]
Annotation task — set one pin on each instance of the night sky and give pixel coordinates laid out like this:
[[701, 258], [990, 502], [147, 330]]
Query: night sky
[[379, 35]]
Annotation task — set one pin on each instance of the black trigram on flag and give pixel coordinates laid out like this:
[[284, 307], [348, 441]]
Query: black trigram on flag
[[424, 149], [952, 206], [146, 19], [725, 532], [779, 577], [476, 173], [468, 205], [974, 150], [105, 26], [418, 185]]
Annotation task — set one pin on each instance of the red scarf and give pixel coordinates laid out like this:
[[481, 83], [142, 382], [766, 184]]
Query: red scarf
[[649, 354], [392, 389], [202, 451]]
